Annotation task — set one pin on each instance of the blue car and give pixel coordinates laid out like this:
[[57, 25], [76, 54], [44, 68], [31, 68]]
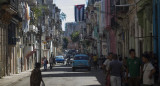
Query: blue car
[[81, 61], [59, 59]]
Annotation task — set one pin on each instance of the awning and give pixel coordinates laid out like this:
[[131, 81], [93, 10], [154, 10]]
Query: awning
[[30, 53]]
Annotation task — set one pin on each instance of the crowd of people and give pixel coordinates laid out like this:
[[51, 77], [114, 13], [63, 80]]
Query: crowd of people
[[131, 71], [127, 71]]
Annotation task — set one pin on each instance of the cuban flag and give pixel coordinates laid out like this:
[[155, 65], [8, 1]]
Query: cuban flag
[[79, 13]]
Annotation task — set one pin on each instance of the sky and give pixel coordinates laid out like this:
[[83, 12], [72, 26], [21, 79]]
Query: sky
[[67, 6]]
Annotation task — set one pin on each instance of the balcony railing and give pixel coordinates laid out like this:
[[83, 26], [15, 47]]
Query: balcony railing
[[33, 28], [123, 9]]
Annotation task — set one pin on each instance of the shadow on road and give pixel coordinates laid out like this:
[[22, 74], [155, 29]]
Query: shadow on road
[[58, 68], [66, 71]]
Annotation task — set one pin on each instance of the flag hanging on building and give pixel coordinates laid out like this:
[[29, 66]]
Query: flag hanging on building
[[79, 13]]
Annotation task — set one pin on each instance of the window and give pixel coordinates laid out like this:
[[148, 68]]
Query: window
[[12, 34]]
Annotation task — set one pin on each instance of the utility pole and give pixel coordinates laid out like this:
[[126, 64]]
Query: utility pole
[[40, 29]]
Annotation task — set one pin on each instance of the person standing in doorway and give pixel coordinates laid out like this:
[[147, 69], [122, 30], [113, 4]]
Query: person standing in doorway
[[115, 71], [133, 69]]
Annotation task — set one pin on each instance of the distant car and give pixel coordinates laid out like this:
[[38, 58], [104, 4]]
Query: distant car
[[72, 52], [81, 61], [59, 59]]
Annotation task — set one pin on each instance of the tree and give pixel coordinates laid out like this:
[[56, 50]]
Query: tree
[[65, 43], [38, 12], [75, 36], [63, 16]]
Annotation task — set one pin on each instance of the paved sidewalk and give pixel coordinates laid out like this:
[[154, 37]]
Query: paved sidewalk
[[12, 79]]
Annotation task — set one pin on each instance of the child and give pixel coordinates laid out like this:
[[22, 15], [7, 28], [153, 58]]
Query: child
[[148, 71]]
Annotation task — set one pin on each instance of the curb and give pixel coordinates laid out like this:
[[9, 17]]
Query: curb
[[10, 83], [13, 83]]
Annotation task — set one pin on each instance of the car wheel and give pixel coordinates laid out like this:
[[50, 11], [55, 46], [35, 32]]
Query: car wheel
[[73, 69]]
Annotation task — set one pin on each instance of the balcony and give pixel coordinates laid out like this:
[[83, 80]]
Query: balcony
[[30, 2], [33, 28], [123, 9], [10, 6]]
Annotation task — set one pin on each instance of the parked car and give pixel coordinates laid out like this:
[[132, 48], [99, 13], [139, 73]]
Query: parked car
[[60, 59], [81, 61]]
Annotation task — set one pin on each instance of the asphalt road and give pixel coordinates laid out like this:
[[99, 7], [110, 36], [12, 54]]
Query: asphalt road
[[62, 75]]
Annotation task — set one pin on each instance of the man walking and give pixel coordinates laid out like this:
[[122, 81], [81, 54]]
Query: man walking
[[133, 69], [45, 62], [36, 77], [106, 67], [51, 62], [107, 61], [115, 71], [95, 60]]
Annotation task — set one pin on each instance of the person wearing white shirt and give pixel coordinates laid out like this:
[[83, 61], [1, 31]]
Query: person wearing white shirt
[[107, 61], [106, 65], [148, 71]]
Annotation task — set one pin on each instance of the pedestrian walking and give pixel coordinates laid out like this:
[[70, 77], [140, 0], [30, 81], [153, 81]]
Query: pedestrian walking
[[148, 71], [68, 60], [133, 69], [95, 61], [45, 62], [51, 62], [100, 61], [115, 71], [36, 77], [106, 68], [91, 59]]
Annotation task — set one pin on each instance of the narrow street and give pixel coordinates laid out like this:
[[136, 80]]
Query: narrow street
[[122, 37], [62, 75]]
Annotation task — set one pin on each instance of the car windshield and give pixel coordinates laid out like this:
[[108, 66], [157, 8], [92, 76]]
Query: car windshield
[[59, 57], [81, 58]]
